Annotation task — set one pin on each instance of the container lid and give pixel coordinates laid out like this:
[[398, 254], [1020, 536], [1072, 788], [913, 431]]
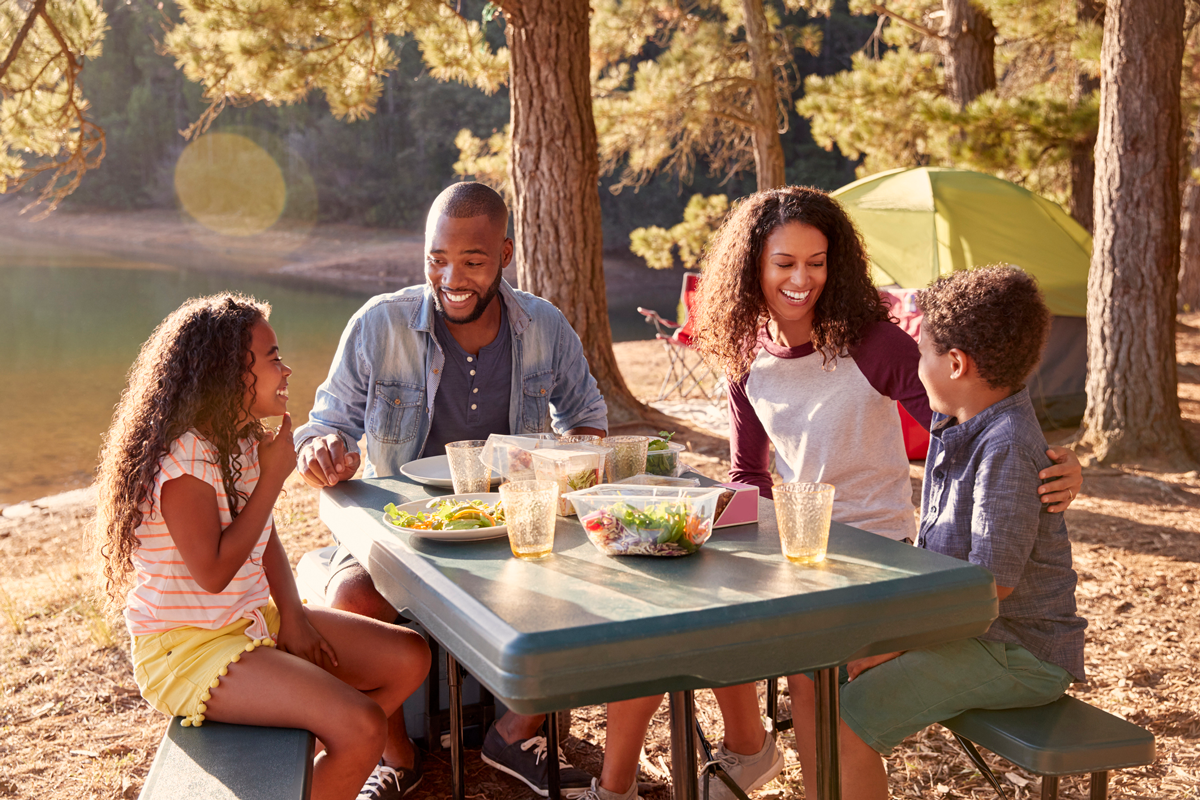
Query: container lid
[[646, 479], [615, 491]]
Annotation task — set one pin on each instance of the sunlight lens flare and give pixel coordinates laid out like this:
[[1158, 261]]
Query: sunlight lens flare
[[230, 184]]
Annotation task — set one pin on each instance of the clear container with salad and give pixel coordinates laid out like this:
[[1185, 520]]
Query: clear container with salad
[[572, 467], [662, 455], [646, 520]]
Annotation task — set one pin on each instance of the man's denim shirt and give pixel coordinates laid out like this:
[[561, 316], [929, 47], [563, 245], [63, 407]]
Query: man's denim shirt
[[388, 366]]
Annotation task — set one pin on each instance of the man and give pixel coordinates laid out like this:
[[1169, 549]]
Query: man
[[461, 357]]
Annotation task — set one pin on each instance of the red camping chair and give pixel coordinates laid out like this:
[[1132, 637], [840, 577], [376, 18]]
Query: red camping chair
[[686, 371]]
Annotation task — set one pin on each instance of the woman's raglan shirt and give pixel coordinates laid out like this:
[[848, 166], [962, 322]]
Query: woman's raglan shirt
[[833, 423]]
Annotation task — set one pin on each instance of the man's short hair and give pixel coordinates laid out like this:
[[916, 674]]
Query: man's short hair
[[994, 314], [470, 199]]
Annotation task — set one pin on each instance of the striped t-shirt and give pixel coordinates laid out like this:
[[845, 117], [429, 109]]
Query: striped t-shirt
[[164, 595]]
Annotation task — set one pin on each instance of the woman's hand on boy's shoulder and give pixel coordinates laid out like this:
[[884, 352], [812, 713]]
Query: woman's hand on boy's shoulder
[[1065, 479], [276, 453]]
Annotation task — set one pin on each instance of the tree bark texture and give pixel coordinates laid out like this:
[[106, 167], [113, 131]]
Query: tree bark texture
[[1133, 407], [555, 173], [768, 150], [1189, 250], [968, 48], [1083, 164]]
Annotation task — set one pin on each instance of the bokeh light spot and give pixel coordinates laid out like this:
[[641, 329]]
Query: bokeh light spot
[[230, 184]]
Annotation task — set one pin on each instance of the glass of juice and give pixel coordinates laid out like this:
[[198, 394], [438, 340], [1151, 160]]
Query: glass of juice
[[803, 512], [529, 511]]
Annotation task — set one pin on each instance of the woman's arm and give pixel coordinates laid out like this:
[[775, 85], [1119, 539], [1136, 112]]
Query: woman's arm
[[749, 452], [189, 507]]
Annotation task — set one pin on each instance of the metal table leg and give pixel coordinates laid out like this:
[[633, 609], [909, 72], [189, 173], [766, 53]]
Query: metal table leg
[[552, 781], [457, 768], [683, 745], [829, 775]]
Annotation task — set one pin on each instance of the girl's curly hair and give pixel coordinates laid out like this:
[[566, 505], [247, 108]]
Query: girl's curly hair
[[191, 373], [730, 307]]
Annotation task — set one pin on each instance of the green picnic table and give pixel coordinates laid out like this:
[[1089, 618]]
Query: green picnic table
[[581, 628]]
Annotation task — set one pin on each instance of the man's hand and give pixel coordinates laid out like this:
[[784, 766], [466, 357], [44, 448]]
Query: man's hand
[[860, 665], [1059, 494], [324, 461]]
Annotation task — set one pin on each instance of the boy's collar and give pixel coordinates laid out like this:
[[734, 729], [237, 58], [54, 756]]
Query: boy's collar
[[951, 427]]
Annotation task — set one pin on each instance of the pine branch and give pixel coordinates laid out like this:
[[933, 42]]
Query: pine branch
[[34, 12], [916, 26]]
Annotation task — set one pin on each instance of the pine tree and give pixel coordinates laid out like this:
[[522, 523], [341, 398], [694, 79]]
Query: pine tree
[[930, 97], [46, 131], [1133, 407]]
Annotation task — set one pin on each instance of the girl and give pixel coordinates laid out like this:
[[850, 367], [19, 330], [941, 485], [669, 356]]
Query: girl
[[787, 309], [188, 478]]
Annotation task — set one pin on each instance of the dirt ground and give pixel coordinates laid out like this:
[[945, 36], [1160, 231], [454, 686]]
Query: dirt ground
[[73, 726]]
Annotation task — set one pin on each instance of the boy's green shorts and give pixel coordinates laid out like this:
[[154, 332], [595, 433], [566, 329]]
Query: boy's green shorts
[[907, 694]]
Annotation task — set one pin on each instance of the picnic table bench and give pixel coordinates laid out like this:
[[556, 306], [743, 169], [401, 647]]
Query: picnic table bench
[[217, 761]]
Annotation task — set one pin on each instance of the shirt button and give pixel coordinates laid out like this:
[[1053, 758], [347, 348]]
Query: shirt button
[[472, 372], [543, 391], [473, 406], [469, 359], [435, 372], [474, 391], [397, 401]]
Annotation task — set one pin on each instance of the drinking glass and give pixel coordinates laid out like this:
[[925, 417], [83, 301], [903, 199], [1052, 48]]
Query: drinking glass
[[529, 512], [803, 511], [580, 438], [468, 473], [629, 455]]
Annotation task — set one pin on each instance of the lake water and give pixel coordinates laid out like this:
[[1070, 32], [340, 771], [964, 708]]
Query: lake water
[[69, 333]]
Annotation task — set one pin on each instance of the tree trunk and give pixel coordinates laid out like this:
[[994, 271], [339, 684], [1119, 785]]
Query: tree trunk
[[1083, 164], [555, 173], [768, 151], [1133, 405], [968, 48], [1189, 250]]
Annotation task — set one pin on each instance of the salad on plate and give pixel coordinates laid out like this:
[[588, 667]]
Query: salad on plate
[[448, 515]]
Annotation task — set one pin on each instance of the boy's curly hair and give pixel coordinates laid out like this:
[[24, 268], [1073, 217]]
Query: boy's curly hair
[[192, 372], [994, 314], [730, 307]]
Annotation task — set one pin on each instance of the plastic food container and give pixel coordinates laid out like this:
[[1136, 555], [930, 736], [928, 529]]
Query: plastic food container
[[646, 520], [511, 457], [664, 462], [570, 469], [657, 480]]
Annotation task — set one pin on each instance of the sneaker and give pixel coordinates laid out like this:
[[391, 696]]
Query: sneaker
[[595, 792], [748, 772], [526, 761], [392, 783]]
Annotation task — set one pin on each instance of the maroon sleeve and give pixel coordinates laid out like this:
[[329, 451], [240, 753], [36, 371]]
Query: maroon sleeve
[[888, 357], [748, 442]]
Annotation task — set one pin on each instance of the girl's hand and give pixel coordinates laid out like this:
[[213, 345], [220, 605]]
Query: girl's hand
[[276, 454], [860, 665], [298, 637], [1060, 493]]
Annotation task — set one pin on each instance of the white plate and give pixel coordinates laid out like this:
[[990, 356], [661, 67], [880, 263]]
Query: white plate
[[433, 471], [470, 535]]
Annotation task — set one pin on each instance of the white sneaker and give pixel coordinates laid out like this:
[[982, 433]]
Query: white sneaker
[[598, 793], [748, 772]]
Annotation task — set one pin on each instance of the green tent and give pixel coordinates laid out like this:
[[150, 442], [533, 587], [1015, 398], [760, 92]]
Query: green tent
[[928, 221]]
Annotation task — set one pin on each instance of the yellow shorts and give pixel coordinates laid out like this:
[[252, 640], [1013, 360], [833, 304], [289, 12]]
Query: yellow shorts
[[176, 670]]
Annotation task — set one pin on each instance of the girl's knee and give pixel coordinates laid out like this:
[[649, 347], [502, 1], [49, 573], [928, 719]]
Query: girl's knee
[[359, 723]]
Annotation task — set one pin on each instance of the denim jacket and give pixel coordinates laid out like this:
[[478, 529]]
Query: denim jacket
[[388, 366]]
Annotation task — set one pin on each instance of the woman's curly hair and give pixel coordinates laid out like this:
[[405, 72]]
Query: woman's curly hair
[[730, 307], [191, 373]]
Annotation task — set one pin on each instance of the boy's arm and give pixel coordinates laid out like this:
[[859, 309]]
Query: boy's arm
[[1005, 514]]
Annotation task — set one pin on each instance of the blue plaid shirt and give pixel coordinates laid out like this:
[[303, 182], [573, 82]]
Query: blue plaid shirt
[[980, 504]]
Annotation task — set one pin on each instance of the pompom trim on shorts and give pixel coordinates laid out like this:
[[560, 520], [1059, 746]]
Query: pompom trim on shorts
[[196, 719]]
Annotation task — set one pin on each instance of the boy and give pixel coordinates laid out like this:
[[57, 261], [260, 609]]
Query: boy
[[981, 336]]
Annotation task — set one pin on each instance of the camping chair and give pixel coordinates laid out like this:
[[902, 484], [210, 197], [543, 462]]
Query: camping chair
[[687, 373]]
